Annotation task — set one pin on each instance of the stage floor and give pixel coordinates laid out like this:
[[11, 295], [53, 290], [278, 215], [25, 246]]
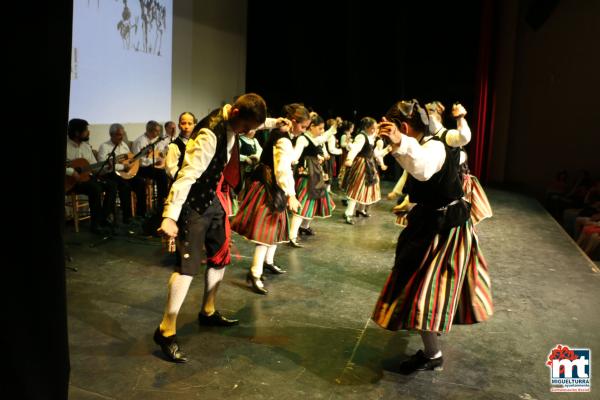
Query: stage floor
[[311, 337]]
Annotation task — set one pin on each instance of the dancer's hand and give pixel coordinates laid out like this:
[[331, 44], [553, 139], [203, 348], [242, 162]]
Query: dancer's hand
[[348, 162], [390, 130], [293, 204], [458, 111], [284, 124], [168, 227]]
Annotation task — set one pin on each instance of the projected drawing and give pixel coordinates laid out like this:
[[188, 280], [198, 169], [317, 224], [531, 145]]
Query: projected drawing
[[142, 26], [124, 47], [151, 21]]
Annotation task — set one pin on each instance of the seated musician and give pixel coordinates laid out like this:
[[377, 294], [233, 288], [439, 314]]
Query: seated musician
[[152, 165], [116, 168], [79, 148]]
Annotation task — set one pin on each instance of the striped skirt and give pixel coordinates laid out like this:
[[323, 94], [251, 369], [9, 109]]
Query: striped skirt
[[231, 205], [311, 208], [356, 187], [474, 194], [256, 222], [438, 279]]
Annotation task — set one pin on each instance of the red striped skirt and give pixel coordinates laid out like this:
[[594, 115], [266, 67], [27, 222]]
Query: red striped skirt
[[356, 187], [311, 208], [256, 222], [474, 194], [436, 281]]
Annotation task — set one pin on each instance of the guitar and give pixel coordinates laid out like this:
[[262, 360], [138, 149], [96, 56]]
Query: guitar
[[133, 161], [83, 168]]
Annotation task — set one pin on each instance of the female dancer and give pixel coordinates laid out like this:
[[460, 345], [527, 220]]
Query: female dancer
[[439, 275], [362, 180], [311, 188], [262, 216]]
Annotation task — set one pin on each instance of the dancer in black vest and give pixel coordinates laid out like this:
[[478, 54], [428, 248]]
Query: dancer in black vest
[[262, 216], [194, 213], [176, 149], [311, 188], [361, 180], [250, 152], [440, 276]]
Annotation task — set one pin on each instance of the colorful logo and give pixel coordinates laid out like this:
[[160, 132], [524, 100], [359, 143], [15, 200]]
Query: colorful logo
[[570, 369]]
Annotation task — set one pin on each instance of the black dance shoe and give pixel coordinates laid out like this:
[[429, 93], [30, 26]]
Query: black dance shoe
[[345, 202], [254, 284], [349, 219], [294, 243], [274, 269], [169, 347], [361, 213], [216, 319], [419, 362], [307, 231]]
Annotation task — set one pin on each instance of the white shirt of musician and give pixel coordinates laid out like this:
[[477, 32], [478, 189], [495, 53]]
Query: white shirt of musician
[[81, 150], [144, 141], [105, 149]]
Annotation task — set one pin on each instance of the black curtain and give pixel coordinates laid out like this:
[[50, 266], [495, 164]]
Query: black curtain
[[35, 330], [355, 58]]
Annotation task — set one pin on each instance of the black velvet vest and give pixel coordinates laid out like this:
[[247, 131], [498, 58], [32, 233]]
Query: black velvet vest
[[246, 149], [443, 187], [203, 191], [367, 149]]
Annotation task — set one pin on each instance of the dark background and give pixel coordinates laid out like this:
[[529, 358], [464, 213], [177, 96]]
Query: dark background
[[356, 58]]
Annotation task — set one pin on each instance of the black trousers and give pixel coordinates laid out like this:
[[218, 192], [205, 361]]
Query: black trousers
[[93, 189], [124, 188], [199, 232]]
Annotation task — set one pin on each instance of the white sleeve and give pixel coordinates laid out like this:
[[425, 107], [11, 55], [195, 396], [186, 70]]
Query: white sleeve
[[301, 143], [103, 152], [421, 161], [331, 146], [283, 154], [198, 155], [172, 160], [463, 157], [356, 146], [135, 146], [268, 124], [460, 136], [325, 136]]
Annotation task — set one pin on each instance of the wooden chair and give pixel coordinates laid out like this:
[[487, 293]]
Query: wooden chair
[[78, 208]]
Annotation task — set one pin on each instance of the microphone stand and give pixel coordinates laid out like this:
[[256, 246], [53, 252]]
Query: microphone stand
[[153, 145], [114, 158]]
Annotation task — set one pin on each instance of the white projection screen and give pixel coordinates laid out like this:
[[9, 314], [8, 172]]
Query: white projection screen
[[121, 61]]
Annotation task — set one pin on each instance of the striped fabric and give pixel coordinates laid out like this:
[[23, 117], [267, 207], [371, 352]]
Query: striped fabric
[[356, 189], [311, 208], [475, 303], [256, 222], [231, 205], [480, 205], [425, 295], [340, 177]]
